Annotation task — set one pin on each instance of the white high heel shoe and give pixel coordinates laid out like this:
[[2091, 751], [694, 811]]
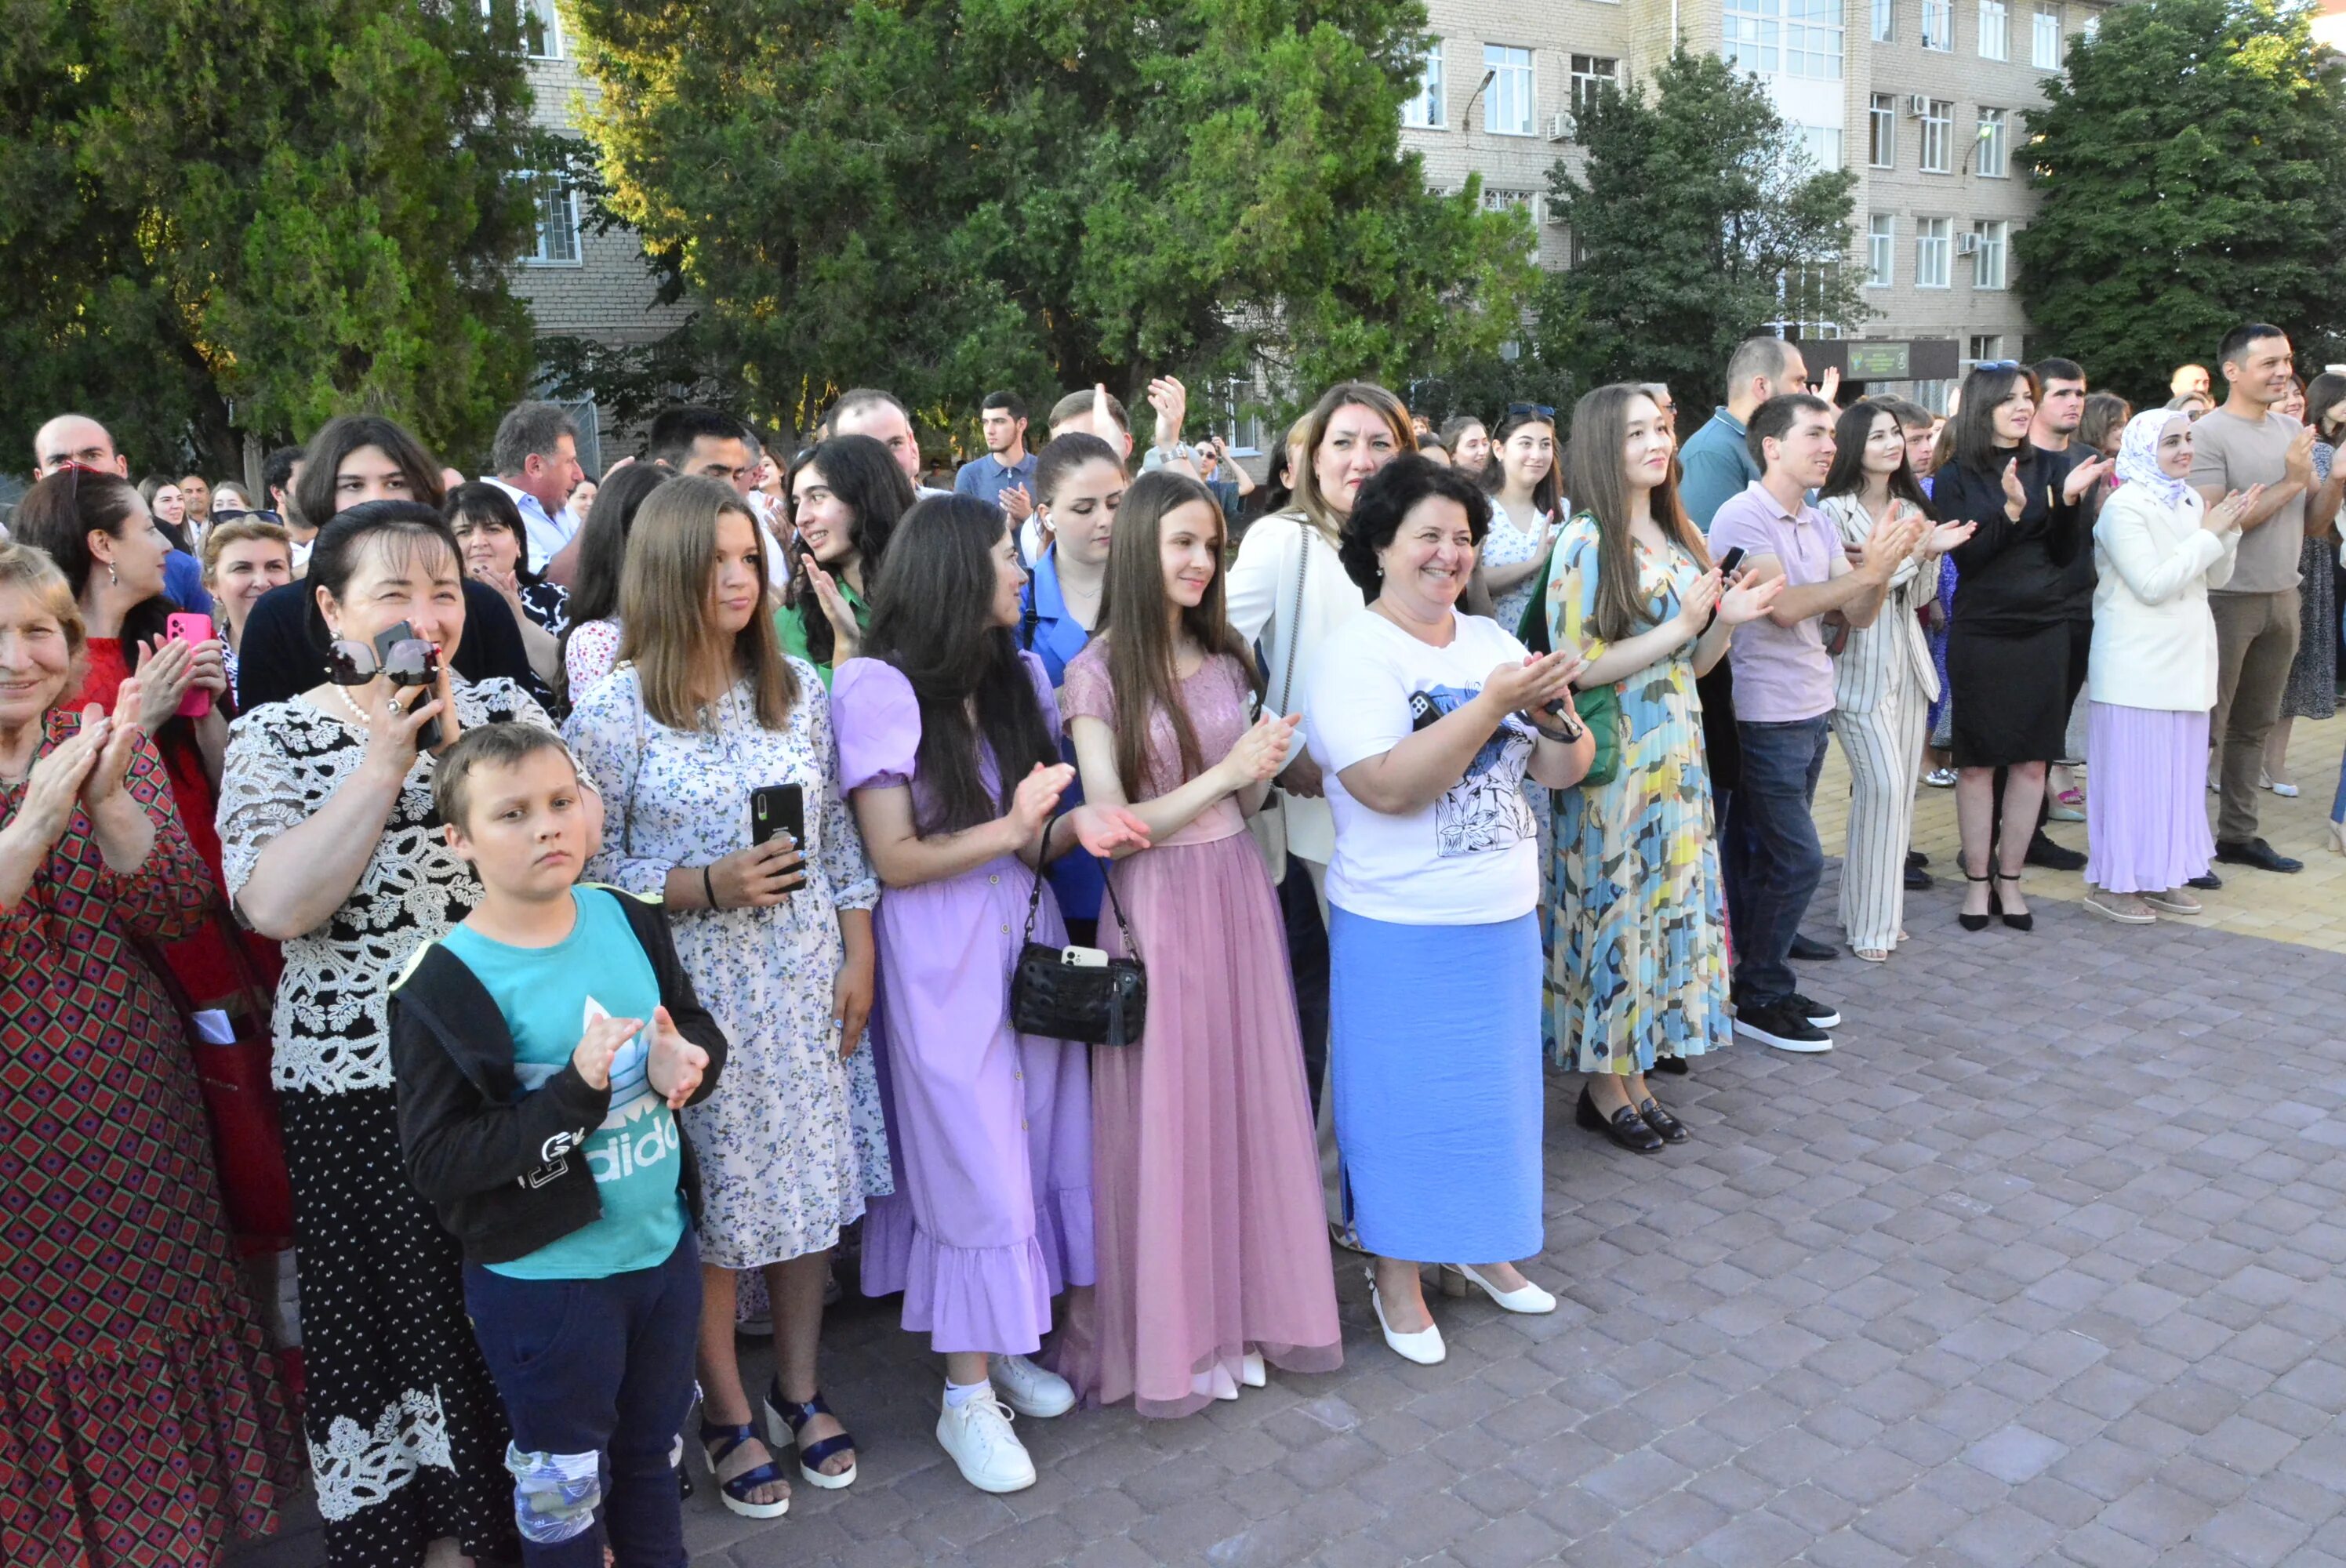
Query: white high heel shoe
[[1424, 1347], [1251, 1372], [1528, 1298]]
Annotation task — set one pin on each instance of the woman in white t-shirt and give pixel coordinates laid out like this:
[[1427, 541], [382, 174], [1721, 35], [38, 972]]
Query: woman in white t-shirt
[[1423, 722]]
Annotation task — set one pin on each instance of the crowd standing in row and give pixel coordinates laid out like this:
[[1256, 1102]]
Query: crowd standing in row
[[627, 876]]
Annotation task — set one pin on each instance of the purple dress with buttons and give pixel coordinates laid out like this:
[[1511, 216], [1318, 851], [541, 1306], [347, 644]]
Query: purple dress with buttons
[[989, 1130]]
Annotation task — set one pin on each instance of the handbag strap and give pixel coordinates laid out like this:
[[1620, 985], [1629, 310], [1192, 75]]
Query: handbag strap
[[1295, 617], [1034, 894]]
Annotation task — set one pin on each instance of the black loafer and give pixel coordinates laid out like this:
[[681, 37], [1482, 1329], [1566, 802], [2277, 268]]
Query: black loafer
[[2207, 883], [2043, 851], [1650, 1111], [1809, 949], [1918, 880], [1624, 1126], [2257, 853], [1676, 1066], [1916, 860]]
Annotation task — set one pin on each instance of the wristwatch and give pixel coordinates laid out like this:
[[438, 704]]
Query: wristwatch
[[1570, 732]]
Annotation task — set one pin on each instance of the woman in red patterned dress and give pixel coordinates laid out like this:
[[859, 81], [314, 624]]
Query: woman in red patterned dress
[[142, 1419]]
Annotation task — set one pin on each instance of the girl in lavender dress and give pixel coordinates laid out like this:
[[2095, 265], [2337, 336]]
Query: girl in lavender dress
[[1213, 1256], [947, 746]]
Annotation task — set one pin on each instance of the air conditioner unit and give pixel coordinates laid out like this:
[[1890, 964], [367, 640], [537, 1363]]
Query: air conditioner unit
[[1967, 244], [1561, 127], [1917, 106]]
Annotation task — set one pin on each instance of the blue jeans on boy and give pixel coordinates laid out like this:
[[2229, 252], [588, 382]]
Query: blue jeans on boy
[[1772, 838], [597, 1376]]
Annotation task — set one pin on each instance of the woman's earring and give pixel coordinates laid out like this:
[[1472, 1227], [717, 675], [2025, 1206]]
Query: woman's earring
[[112, 577]]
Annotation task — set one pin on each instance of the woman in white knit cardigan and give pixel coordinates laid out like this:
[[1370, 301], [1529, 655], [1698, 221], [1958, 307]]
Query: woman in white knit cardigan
[[2151, 677]]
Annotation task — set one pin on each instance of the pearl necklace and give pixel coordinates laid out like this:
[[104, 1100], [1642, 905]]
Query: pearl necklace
[[357, 713]]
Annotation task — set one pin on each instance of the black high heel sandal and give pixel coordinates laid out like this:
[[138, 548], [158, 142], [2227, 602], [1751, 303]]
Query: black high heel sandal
[[2016, 921], [1978, 922]]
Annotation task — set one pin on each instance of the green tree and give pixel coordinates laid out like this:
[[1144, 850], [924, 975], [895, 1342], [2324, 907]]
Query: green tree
[[943, 197], [242, 216], [2189, 166], [1692, 211]]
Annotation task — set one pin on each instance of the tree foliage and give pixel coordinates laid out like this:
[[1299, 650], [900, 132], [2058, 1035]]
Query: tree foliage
[[1690, 212], [2192, 169], [947, 196], [246, 216]]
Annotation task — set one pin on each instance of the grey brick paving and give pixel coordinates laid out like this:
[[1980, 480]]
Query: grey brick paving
[[2041, 1264]]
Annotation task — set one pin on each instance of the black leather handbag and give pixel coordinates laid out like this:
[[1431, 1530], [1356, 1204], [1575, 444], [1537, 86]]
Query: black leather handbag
[[1078, 993]]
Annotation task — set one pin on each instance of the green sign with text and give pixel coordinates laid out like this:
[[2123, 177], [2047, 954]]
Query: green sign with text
[[1877, 363]]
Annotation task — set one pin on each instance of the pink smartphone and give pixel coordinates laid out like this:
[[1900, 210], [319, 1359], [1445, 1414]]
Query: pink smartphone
[[191, 628]]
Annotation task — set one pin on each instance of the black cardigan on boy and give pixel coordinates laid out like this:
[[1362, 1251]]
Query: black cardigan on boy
[[502, 1171]]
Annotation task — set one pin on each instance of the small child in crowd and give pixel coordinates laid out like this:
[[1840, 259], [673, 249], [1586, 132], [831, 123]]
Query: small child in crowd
[[541, 1049]]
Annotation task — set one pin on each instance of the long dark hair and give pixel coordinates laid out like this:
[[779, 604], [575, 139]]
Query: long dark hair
[[603, 553], [57, 516], [1592, 460], [1548, 493], [1847, 475], [864, 473], [2321, 393], [315, 491], [1970, 433], [1141, 650], [931, 618]]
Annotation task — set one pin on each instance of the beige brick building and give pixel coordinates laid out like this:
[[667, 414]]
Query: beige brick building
[[1923, 98]]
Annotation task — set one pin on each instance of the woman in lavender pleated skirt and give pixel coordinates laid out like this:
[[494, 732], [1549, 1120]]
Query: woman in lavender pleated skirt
[[2151, 675]]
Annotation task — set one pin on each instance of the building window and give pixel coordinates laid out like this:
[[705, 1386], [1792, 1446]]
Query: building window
[[1938, 136], [1986, 348], [1932, 396], [1821, 143], [1527, 202], [541, 26], [1994, 161], [1990, 255], [1591, 75], [1423, 111], [1938, 24], [1994, 43], [1885, 20], [1932, 246], [1787, 37], [1507, 107], [557, 222], [2045, 37], [2091, 28], [1881, 131], [1881, 247], [1801, 293]]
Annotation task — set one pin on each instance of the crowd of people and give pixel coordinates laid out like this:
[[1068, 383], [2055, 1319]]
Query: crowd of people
[[656, 896]]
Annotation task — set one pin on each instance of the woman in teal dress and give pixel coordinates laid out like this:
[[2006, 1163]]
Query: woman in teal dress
[[1637, 957]]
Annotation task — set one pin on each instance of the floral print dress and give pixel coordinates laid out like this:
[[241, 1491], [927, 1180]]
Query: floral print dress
[[1636, 950], [792, 1142]]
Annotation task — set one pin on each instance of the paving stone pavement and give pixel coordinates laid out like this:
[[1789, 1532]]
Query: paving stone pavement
[[2044, 1263]]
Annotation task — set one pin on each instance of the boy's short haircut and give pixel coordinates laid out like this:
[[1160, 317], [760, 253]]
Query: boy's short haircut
[[492, 746]]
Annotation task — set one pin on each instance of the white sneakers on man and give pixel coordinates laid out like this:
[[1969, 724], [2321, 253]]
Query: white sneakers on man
[[977, 1434], [1030, 1390]]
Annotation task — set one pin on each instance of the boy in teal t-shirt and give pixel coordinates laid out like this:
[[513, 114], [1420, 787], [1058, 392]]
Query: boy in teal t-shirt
[[541, 1049]]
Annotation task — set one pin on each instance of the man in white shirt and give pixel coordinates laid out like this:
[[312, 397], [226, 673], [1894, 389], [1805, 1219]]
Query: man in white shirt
[[535, 455]]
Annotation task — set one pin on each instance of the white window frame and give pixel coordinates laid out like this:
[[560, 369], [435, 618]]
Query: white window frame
[[1801, 38], [1992, 154], [1881, 131], [1992, 260], [1514, 91], [1587, 80], [1884, 16], [1823, 143], [1424, 110], [2044, 40], [1934, 252], [1882, 250], [1938, 137], [1939, 25], [543, 18], [555, 204], [1994, 30]]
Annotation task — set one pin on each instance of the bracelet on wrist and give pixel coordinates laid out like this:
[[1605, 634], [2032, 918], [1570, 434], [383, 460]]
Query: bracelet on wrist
[[707, 888]]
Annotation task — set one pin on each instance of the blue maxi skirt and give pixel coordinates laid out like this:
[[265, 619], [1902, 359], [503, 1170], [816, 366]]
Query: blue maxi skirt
[[1433, 1034]]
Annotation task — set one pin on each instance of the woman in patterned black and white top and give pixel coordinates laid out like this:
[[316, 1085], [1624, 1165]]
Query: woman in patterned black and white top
[[331, 846]]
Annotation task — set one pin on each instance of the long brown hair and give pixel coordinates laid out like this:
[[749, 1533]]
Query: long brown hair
[[1141, 647], [1592, 464], [1306, 497], [665, 625]]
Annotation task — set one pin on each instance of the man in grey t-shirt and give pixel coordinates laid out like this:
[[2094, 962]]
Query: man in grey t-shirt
[[2243, 443]]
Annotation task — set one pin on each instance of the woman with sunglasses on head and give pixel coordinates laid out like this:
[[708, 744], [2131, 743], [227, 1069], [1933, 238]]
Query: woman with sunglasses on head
[[331, 846], [1208, 1267], [847, 494], [2008, 643], [702, 718]]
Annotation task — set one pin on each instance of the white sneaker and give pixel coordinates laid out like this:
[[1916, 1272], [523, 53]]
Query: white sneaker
[[977, 1437], [1029, 1389]]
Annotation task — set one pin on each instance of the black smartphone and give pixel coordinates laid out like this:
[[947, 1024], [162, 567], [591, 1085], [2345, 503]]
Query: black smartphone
[[777, 809], [1728, 562]]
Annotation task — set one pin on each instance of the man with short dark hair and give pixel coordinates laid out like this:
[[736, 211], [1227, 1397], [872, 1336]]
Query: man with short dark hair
[[281, 471], [2245, 443], [1005, 474], [1717, 459], [695, 438], [1784, 700], [2060, 406], [196, 493], [536, 459]]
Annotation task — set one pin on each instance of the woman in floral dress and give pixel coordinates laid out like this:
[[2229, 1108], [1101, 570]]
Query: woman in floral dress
[[701, 710], [1636, 956]]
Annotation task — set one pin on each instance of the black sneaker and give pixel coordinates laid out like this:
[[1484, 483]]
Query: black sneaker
[[1824, 1015], [1782, 1026]]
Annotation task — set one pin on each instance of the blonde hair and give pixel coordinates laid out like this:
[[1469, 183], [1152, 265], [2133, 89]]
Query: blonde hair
[[1313, 428], [240, 531], [664, 592], [23, 568]]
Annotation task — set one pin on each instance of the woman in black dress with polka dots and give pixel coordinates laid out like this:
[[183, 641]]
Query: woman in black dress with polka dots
[[331, 846]]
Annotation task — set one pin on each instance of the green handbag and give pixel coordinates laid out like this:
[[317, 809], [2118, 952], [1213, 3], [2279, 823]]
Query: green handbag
[[1599, 707]]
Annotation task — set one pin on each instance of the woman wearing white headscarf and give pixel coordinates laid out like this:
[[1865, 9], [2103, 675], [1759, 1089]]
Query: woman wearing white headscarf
[[2151, 677]]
